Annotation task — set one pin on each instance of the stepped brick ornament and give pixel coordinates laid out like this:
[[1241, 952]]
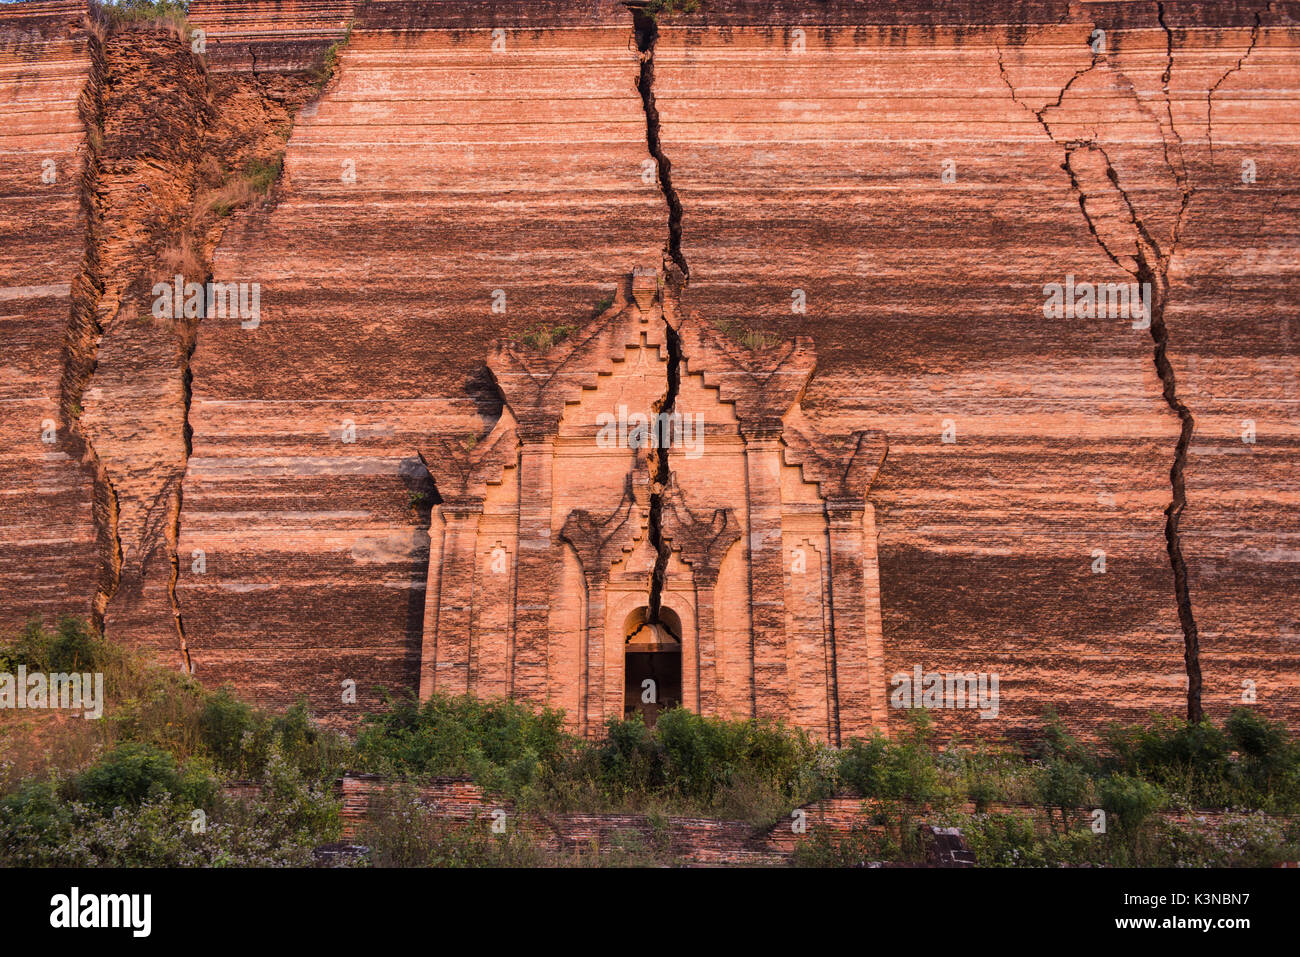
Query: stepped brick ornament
[[549, 539]]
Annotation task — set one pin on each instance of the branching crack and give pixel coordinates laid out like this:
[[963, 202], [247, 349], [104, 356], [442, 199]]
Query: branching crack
[[1179, 171], [1152, 270], [1209, 96], [137, 512]]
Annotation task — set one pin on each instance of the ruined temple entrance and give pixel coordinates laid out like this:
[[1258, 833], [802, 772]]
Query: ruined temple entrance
[[652, 665], [555, 524]]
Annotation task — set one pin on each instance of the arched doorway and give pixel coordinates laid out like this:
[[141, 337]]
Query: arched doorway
[[652, 665]]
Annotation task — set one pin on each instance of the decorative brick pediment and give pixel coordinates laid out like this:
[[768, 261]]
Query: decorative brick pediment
[[537, 382], [463, 466], [702, 539], [844, 467], [742, 528], [600, 541], [763, 384]]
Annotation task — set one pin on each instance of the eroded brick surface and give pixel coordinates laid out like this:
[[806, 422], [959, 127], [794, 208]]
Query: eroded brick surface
[[477, 174]]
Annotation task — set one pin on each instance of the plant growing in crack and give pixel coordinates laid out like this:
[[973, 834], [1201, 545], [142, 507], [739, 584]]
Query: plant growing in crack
[[667, 8], [543, 337], [250, 187], [262, 174], [324, 72], [158, 14]]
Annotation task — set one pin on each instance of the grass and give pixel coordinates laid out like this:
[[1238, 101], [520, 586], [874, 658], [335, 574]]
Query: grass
[[667, 8], [262, 174], [324, 71], [744, 336], [181, 257], [172, 15], [123, 789], [544, 337], [249, 187]]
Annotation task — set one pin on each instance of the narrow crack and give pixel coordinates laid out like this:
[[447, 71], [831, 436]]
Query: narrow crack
[[1077, 186], [647, 36], [1179, 171], [1143, 234], [174, 532], [190, 330], [1038, 114], [1152, 267], [1209, 96]]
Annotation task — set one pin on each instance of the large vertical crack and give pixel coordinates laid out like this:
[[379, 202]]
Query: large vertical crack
[[1151, 268], [661, 473], [214, 139], [126, 242], [1152, 271], [81, 344], [647, 36], [1178, 502]]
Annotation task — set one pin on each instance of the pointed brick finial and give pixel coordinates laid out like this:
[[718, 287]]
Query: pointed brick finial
[[645, 286]]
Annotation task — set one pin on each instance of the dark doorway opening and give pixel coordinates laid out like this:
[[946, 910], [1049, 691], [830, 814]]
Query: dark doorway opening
[[652, 665]]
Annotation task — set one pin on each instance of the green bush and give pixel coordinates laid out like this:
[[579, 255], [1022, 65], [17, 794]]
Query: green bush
[[1251, 762], [36, 808], [127, 775], [895, 770], [751, 770], [501, 744], [235, 735], [1013, 840], [630, 759], [1063, 786], [1004, 840], [756, 769], [128, 11], [666, 8], [1248, 840], [1129, 803], [1269, 760], [862, 845], [161, 709], [408, 833], [73, 646]]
